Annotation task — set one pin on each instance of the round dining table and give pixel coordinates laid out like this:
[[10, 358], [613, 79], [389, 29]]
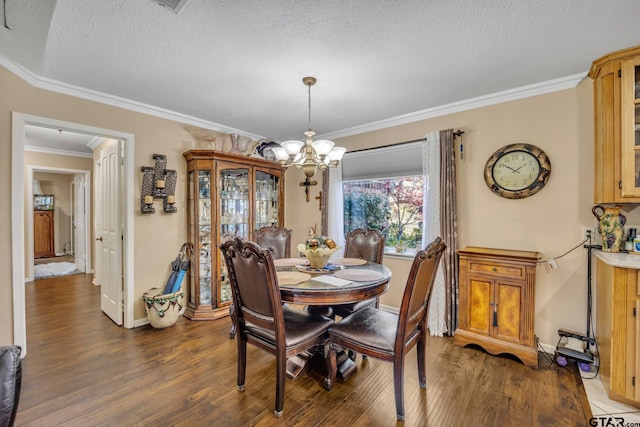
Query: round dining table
[[365, 281], [347, 281]]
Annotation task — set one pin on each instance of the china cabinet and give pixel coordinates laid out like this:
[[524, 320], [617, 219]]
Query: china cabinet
[[228, 195], [496, 304], [616, 91]]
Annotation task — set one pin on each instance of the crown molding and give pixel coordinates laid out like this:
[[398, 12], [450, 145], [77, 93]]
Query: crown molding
[[536, 89], [58, 152], [115, 101]]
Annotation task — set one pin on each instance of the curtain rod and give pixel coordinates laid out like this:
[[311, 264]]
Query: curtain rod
[[456, 133]]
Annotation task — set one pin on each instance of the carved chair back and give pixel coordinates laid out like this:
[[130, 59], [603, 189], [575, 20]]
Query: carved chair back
[[276, 239], [365, 243]]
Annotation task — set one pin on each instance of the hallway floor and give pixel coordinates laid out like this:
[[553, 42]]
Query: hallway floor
[[62, 258]]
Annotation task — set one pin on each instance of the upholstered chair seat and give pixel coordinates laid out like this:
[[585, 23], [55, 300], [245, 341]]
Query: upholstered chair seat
[[299, 327], [371, 327]]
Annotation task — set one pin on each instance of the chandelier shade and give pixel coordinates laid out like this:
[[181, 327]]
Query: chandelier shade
[[309, 155]]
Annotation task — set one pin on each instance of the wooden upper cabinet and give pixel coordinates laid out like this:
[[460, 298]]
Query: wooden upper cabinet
[[616, 90]]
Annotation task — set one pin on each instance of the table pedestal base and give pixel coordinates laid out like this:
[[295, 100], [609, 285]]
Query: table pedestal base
[[346, 366], [299, 364]]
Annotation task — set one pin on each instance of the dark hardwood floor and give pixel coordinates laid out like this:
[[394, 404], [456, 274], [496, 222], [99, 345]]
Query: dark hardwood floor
[[83, 370]]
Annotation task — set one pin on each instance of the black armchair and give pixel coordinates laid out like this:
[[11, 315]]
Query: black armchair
[[10, 384]]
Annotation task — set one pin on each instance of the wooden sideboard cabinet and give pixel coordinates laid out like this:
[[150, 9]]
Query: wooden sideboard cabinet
[[497, 294], [616, 91], [43, 243], [228, 195], [617, 314]]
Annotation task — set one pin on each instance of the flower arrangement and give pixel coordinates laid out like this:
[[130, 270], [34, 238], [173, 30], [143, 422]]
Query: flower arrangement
[[318, 250]]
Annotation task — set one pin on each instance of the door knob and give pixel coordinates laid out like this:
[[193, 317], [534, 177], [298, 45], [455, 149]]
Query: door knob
[[99, 238]]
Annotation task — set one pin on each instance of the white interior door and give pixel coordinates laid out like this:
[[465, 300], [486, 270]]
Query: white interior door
[[97, 225], [79, 223], [109, 235]]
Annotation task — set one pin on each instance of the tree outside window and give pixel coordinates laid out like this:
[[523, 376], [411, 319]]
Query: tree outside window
[[392, 205]]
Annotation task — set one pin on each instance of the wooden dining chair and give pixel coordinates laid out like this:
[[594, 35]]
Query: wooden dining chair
[[278, 241], [367, 244], [389, 336], [261, 318], [275, 238]]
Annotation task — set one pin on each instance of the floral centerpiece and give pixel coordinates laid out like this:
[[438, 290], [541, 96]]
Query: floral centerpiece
[[318, 250]]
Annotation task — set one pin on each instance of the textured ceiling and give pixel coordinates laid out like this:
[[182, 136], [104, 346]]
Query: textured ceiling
[[239, 63]]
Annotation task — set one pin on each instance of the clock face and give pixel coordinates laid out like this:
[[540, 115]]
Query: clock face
[[517, 171]]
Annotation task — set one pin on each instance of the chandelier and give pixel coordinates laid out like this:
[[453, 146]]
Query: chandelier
[[310, 155]]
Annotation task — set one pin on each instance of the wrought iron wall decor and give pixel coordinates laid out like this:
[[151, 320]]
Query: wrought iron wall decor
[[158, 183]]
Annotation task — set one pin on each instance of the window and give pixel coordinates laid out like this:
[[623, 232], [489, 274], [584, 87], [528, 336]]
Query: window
[[392, 205], [383, 189]]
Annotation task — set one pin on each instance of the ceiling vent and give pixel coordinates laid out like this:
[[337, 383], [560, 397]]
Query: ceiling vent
[[173, 5]]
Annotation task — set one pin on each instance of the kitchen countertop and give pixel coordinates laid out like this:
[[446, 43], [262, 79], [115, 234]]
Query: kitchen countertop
[[619, 259]]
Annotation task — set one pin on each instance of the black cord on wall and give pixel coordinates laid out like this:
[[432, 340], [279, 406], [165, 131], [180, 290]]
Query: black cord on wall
[[5, 14]]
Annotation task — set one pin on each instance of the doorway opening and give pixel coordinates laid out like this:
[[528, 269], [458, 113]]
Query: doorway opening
[[68, 239], [18, 206]]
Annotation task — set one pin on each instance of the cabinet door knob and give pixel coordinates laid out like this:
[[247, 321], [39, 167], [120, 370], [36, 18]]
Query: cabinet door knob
[[494, 269]]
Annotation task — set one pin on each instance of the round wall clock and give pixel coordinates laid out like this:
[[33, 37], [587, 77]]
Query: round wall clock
[[517, 171]]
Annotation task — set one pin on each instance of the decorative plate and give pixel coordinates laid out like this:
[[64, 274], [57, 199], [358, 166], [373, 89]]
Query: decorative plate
[[348, 261], [292, 277], [288, 262], [264, 149], [358, 275], [330, 268]]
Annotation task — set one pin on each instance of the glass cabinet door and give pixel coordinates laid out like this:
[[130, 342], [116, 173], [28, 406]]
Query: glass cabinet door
[[234, 218], [636, 124], [630, 131], [191, 183], [203, 193], [267, 199], [234, 203]]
